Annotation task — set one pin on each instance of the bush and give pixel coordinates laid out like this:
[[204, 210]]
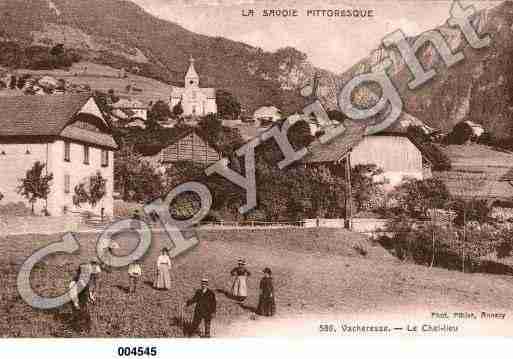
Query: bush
[[504, 249], [413, 242], [18, 209], [417, 246]]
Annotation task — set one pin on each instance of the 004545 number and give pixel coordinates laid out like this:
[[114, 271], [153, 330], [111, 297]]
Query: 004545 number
[[137, 351]]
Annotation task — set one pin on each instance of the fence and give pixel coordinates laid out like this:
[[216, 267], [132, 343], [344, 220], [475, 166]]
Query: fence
[[252, 224]]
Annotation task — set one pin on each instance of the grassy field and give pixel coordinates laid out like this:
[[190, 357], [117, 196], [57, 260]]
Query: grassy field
[[316, 272]]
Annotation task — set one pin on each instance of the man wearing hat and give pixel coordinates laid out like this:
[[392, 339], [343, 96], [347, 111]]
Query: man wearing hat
[[205, 309]]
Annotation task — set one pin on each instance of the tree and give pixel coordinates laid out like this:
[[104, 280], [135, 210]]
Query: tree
[[36, 184], [461, 133], [299, 135], [177, 110], [228, 107], [57, 50], [416, 197], [336, 115], [211, 127], [91, 191], [470, 188], [135, 178], [364, 185], [160, 111]]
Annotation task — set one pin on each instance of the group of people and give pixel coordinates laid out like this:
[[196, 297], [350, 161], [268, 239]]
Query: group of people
[[266, 302], [204, 298]]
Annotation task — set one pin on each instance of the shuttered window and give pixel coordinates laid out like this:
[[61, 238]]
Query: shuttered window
[[67, 152], [67, 183], [86, 154], [105, 158]]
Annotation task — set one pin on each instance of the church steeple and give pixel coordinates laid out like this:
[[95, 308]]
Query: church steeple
[[191, 77]]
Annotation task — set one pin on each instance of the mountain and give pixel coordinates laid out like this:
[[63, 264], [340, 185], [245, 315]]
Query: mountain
[[479, 88], [120, 34]]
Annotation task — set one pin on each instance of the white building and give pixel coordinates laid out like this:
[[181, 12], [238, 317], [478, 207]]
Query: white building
[[67, 133], [397, 154], [195, 101]]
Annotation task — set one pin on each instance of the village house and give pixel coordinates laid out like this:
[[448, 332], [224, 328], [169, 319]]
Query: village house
[[195, 100], [396, 153], [67, 133], [130, 110], [188, 146]]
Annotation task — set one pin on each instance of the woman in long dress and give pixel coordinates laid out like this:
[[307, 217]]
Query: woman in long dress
[[163, 280], [240, 286], [266, 303]]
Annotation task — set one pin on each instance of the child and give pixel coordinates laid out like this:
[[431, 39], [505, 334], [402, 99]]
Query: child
[[134, 273], [93, 281]]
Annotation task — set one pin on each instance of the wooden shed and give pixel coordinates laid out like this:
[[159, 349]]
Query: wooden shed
[[186, 147]]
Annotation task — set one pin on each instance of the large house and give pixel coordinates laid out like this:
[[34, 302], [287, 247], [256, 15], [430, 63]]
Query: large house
[[195, 101], [70, 135]]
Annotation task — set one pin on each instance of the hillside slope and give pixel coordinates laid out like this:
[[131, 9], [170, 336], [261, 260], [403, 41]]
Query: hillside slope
[[121, 34], [479, 88]]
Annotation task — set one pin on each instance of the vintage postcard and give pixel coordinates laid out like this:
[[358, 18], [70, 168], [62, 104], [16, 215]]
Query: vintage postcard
[[241, 169]]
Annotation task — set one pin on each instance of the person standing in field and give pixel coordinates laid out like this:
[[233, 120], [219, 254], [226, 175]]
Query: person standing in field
[[163, 280], [93, 280], [108, 254], [266, 302], [240, 286], [205, 309], [134, 273], [80, 299]]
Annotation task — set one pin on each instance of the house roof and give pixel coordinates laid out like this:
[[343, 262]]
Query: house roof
[[340, 146], [267, 111], [153, 149], [475, 184], [191, 72], [129, 103], [38, 115], [337, 148], [49, 116], [478, 171]]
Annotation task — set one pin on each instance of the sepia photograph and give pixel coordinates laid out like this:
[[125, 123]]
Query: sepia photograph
[[288, 169]]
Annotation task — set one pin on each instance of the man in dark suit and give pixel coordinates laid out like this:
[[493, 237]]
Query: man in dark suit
[[205, 309]]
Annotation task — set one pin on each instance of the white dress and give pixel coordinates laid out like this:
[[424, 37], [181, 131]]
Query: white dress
[[163, 280]]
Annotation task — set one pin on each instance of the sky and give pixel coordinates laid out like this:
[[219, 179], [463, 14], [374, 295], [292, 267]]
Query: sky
[[332, 43]]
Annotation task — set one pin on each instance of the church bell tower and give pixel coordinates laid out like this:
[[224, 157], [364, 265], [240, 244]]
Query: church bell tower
[[191, 77]]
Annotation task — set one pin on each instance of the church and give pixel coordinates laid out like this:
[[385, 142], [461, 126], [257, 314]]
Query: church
[[195, 101]]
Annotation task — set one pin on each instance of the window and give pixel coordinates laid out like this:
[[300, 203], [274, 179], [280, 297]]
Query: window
[[86, 154], [67, 152], [67, 183], [105, 158]]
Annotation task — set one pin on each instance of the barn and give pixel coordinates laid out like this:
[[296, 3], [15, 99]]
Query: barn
[[187, 146], [398, 154]]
